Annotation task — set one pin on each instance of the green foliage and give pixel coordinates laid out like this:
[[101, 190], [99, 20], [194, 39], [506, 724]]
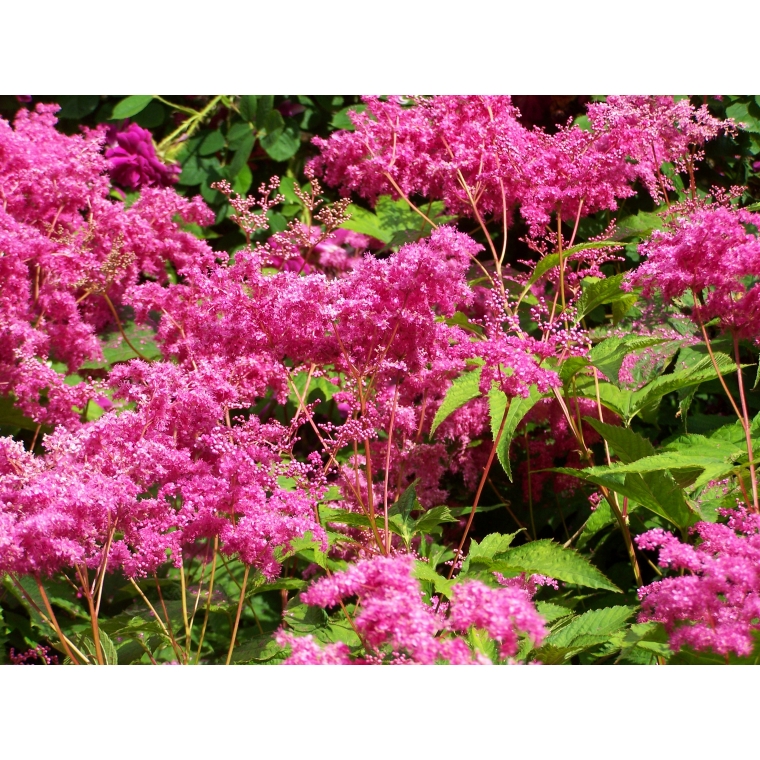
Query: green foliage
[[465, 388], [546, 558], [393, 222], [518, 408]]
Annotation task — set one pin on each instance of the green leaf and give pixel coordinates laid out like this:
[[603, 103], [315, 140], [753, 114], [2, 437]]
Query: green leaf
[[465, 388], [392, 220], [657, 491], [518, 408], [551, 559], [13, 417], [551, 612], [740, 112], [431, 519], [424, 572], [342, 119], [116, 349], [628, 446], [242, 154], [698, 373], [343, 517], [600, 292], [639, 225], [551, 260], [593, 623], [130, 106], [77, 106], [600, 518], [264, 104], [86, 644], [407, 502], [616, 399], [212, 143], [491, 545], [280, 146], [258, 649], [247, 106]]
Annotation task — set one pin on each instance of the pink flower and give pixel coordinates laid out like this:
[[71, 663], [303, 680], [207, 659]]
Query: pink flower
[[716, 604], [133, 160]]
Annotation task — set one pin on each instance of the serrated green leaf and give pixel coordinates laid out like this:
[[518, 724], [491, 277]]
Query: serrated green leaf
[[596, 623], [391, 219], [130, 106], [491, 545], [600, 292], [700, 372], [616, 399], [657, 491], [608, 355], [432, 519], [86, 644], [552, 559], [465, 388], [628, 446], [258, 649], [518, 408], [551, 612], [551, 260], [424, 572]]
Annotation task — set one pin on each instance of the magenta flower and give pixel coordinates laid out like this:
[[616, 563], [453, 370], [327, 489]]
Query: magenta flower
[[716, 604], [133, 161]]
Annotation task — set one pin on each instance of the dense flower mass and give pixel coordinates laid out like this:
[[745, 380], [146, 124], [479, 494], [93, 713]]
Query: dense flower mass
[[715, 605], [713, 255], [462, 148], [393, 615], [69, 253], [345, 435]]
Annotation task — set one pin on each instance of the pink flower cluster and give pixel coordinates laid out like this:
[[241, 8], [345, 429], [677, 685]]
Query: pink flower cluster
[[712, 252], [131, 489], [715, 604], [394, 619], [473, 150], [68, 254]]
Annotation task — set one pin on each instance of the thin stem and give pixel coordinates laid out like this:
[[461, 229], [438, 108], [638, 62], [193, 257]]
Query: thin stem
[[53, 619], [93, 615], [716, 367], [175, 646], [406, 198], [613, 502], [479, 491], [121, 328], [208, 600], [387, 471], [237, 616], [185, 618], [561, 262], [506, 503], [577, 220], [189, 125], [746, 425], [150, 606]]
